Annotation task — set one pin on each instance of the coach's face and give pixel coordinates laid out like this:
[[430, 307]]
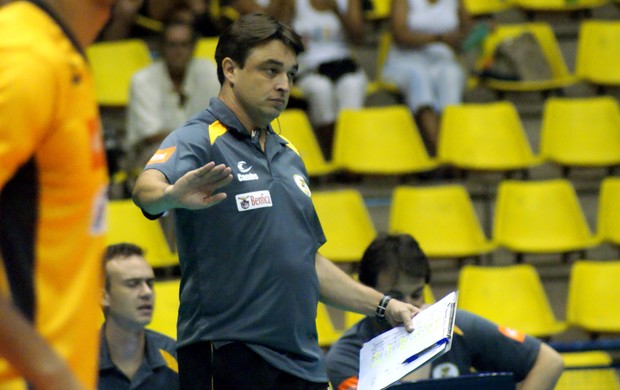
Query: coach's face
[[263, 85]]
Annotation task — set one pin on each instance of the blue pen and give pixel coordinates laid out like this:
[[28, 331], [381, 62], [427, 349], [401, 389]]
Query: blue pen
[[417, 355]]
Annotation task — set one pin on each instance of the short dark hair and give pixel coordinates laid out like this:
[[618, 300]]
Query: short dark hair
[[121, 250], [399, 252], [249, 31]]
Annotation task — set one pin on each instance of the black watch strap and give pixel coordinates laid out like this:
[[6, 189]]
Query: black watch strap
[[380, 313]]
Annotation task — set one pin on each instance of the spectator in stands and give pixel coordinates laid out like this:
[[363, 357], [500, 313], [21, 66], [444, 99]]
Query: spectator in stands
[[423, 63], [329, 76], [396, 265], [132, 357], [167, 93]]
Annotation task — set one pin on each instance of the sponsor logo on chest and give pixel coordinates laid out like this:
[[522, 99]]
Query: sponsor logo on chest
[[245, 174], [253, 200]]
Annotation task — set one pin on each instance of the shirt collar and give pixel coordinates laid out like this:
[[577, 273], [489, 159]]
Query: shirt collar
[[65, 29], [152, 354], [228, 118]]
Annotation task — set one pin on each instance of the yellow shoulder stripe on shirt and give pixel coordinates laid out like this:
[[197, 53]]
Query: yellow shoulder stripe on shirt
[[171, 362], [290, 144], [216, 129], [458, 331]]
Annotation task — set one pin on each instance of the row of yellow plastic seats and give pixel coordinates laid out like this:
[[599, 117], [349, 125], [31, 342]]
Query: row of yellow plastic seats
[[381, 8], [114, 63], [530, 217], [591, 300], [384, 140]]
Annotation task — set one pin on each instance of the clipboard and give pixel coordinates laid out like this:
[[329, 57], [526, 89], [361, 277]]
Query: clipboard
[[394, 354]]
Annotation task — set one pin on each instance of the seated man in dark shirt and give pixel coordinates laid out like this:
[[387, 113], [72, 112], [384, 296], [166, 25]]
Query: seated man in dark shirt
[[132, 357], [396, 265]]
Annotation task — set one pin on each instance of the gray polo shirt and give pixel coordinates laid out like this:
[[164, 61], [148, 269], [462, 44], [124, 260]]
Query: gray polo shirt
[[248, 263]]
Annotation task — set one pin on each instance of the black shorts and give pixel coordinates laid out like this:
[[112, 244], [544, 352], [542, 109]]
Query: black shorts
[[231, 367]]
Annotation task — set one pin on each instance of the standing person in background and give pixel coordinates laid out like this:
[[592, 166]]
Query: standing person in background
[[167, 93], [329, 76], [397, 265], [132, 357], [423, 63], [251, 273], [53, 183]]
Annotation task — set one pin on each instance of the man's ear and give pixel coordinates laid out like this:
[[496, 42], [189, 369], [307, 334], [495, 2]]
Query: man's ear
[[105, 298], [229, 67]]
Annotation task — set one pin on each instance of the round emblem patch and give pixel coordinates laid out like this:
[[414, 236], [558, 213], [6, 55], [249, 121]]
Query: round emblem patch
[[301, 183]]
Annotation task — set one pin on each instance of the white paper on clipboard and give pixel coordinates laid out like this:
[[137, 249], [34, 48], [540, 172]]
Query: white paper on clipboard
[[390, 356]]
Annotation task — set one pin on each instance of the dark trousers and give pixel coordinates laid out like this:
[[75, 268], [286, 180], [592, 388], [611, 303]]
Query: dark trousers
[[233, 367]]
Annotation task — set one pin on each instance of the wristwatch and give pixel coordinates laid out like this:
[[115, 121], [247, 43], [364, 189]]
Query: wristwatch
[[380, 312]]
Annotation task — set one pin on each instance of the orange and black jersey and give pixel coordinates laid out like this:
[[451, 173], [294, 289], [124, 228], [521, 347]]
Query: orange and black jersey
[[53, 181]]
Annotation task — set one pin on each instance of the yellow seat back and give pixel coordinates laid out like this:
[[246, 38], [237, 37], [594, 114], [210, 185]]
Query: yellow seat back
[[378, 84], [598, 52], [380, 10], [608, 220], [294, 126], [346, 223], [581, 132], [127, 224], [593, 296], [511, 296], [576, 375], [379, 140], [114, 64], [559, 5], [441, 218], [327, 331], [485, 7], [205, 48], [548, 43], [486, 136], [166, 307], [540, 217]]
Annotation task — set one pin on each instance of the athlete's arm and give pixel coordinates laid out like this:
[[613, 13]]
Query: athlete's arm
[[30, 354], [194, 190], [339, 289], [545, 372]]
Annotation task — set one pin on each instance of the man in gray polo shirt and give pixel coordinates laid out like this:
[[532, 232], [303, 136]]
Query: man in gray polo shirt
[[247, 231]]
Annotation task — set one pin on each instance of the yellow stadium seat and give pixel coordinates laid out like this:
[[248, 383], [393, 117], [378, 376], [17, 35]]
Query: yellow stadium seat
[[205, 48], [378, 84], [327, 331], [441, 218], [486, 7], [380, 10], [114, 64], [598, 52], [166, 307], [294, 126], [586, 370], [485, 137], [511, 296], [559, 5], [608, 216], [593, 296], [540, 217], [127, 224], [380, 140], [581, 132], [546, 38], [346, 223]]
